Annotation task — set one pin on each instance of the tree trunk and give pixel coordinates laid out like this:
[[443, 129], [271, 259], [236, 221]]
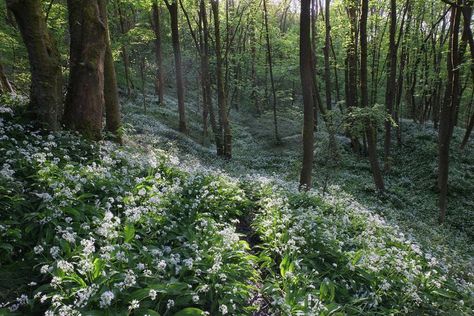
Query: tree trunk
[[448, 108], [221, 93], [370, 129], [317, 102], [173, 10], [327, 47], [351, 76], [391, 82], [85, 96], [46, 94], [468, 132], [113, 120], [306, 83], [253, 54], [124, 51], [159, 76], [270, 69], [5, 85]]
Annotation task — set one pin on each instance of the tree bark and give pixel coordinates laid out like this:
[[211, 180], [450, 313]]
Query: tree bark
[[46, 94], [173, 10], [270, 69], [124, 51], [113, 120], [317, 102], [5, 85], [468, 132], [448, 108], [307, 83], [352, 63], [159, 76], [327, 47], [224, 125], [370, 130], [85, 95], [391, 82]]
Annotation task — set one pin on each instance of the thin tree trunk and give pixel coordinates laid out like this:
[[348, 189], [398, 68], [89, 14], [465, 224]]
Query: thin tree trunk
[[113, 120], [351, 77], [143, 79], [124, 51], [327, 65], [326, 113], [159, 75], [468, 132], [307, 83], [221, 93], [270, 69], [336, 77], [85, 96], [391, 83], [206, 79], [5, 85], [370, 129], [448, 108], [253, 54], [317, 102], [46, 94], [173, 10]]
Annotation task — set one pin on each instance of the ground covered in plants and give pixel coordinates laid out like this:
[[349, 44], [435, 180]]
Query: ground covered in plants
[[161, 227]]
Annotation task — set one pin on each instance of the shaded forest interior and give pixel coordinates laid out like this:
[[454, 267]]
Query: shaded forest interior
[[327, 116]]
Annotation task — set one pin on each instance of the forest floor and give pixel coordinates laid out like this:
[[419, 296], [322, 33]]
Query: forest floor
[[161, 226], [409, 203]]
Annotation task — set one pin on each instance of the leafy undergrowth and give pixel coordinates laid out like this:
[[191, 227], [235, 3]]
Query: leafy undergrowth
[[97, 229], [410, 201]]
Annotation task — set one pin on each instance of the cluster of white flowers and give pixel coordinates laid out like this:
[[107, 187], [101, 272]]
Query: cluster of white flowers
[[116, 217], [106, 299]]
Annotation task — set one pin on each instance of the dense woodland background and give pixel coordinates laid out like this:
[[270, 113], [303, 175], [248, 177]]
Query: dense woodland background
[[369, 104]]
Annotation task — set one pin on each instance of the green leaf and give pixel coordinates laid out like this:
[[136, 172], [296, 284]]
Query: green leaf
[[327, 290], [190, 311], [283, 266], [98, 267], [143, 312], [140, 294], [129, 231]]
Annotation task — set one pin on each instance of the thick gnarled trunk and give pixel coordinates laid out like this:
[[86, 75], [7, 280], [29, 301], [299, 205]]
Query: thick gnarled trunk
[[85, 96], [46, 95]]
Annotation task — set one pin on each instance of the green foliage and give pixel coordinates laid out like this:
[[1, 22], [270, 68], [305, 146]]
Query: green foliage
[[356, 119]]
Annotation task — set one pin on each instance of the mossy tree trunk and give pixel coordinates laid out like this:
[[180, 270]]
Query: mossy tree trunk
[[113, 120], [46, 95], [85, 95]]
